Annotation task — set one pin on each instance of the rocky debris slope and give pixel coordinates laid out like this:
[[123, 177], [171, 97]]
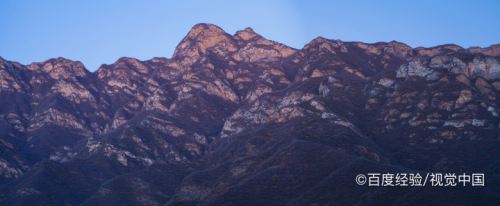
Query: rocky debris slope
[[243, 120]]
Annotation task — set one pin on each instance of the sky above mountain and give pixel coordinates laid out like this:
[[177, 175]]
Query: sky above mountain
[[97, 32]]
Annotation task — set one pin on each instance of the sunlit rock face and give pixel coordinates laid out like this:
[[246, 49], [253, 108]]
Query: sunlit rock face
[[237, 119], [11, 76], [493, 50], [60, 68], [203, 37]]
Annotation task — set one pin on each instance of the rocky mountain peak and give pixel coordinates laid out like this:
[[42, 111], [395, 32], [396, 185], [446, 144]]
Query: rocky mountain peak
[[11, 75], [493, 50], [441, 49], [124, 67], [322, 43], [318, 40], [201, 38], [60, 68], [246, 34], [399, 45], [396, 48], [132, 63], [205, 29]]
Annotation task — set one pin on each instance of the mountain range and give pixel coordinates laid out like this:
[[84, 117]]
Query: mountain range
[[243, 120]]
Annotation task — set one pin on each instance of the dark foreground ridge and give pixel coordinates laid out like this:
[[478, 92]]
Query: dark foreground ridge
[[242, 120]]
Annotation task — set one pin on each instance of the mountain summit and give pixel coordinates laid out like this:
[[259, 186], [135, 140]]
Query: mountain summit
[[243, 120]]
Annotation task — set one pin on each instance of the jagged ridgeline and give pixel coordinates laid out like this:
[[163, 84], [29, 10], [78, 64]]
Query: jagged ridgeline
[[243, 120]]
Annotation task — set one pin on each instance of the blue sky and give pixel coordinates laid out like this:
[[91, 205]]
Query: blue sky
[[98, 31]]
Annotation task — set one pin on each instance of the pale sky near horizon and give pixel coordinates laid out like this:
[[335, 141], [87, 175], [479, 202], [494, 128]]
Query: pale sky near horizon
[[99, 32]]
